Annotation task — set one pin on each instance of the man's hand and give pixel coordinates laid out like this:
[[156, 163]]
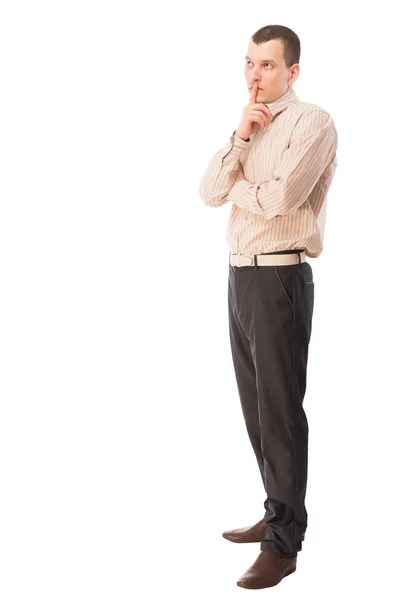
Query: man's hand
[[255, 115]]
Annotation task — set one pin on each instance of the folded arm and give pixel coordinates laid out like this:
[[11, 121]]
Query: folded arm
[[312, 146], [221, 171]]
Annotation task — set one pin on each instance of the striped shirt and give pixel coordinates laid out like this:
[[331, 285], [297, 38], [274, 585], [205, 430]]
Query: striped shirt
[[288, 169]]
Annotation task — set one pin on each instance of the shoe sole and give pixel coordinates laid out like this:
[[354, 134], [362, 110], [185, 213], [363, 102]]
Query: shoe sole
[[226, 536], [259, 587]]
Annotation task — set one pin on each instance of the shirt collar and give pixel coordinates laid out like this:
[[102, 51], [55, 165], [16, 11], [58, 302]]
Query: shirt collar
[[288, 98]]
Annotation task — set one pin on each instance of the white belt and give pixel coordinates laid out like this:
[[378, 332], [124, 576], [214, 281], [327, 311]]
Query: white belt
[[247, 260]]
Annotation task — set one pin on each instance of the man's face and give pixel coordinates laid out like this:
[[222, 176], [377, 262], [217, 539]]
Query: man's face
[[266, 65]]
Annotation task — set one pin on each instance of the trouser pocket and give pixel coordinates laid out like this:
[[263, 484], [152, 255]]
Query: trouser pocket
[[283, 278]]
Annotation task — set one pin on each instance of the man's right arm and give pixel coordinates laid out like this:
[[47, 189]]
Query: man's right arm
[[220, 174]]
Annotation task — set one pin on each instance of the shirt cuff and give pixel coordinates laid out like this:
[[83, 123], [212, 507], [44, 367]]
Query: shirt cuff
[[240, 139], [234, 147]]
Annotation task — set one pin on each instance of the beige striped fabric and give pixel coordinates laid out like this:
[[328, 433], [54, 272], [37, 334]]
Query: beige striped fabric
[[289, 168]]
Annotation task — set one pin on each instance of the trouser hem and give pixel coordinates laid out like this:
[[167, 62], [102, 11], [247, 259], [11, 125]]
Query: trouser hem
[[267, 546]]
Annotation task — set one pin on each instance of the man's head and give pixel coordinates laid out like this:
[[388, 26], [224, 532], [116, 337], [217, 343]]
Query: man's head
[[272, 61]]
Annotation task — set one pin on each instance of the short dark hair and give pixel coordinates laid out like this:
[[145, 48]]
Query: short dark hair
[[291, 42]]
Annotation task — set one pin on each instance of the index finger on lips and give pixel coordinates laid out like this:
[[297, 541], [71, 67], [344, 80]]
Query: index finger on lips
[[253, 93]]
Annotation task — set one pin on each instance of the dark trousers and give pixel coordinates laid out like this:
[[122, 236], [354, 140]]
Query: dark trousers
[[270, 315]]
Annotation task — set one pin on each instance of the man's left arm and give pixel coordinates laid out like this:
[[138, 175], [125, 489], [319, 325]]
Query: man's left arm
[[313, 145]]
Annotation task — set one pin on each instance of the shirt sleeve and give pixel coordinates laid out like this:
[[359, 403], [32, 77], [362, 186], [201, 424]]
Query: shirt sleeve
[[312, 146], [221, 172]]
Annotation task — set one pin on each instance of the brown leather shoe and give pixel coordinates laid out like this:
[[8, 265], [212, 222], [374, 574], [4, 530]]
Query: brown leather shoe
[[267, 570], [254, 533]]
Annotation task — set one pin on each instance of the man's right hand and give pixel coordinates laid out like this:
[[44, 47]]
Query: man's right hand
[[255, 115]]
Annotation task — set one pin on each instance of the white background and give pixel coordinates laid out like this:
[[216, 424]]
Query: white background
[[123, 450]]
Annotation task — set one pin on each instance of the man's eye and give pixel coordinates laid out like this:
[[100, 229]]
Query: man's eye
[[264, 63]]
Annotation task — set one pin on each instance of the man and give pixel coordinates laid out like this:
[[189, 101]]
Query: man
[[276, 170]]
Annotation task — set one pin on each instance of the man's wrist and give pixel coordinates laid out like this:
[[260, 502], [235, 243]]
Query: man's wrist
[[240, 137]]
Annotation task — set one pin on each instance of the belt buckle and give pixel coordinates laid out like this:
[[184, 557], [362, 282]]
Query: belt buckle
[[246, 265]]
